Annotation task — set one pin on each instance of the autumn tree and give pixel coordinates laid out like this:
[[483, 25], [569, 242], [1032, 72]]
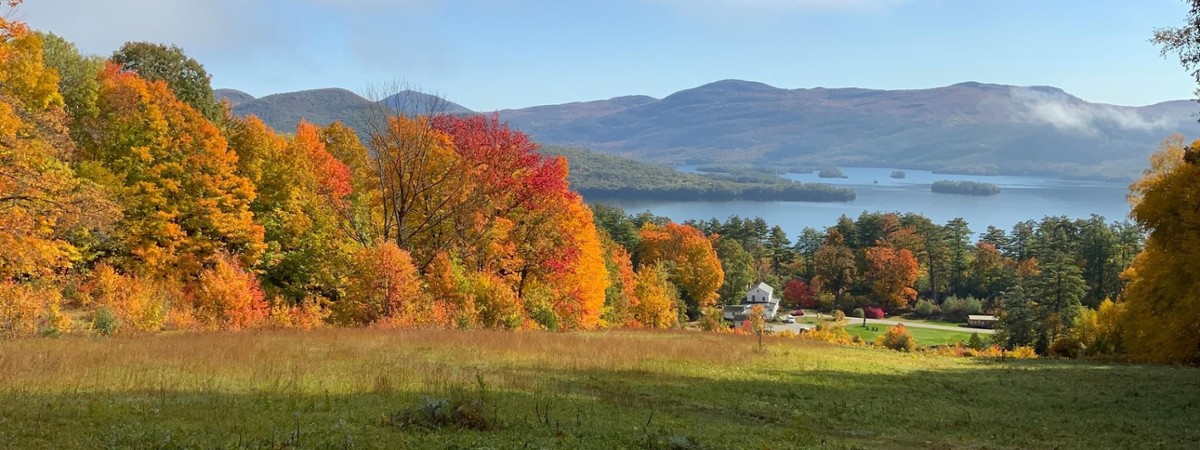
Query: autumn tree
[[619, 299], [382, 284], [228, 297], [657, 299], [690, 261], [892, 274], [77, 78], [44, 205], [357, 213], [183, 199], [798, 293], [183, 75], [1163, 295], [835, 266], [300, 187]]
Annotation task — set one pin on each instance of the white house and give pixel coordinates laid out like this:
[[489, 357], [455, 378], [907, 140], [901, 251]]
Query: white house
[[762, 294]]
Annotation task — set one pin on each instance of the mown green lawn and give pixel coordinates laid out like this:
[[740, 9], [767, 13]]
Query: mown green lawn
[[923, 336], [604, 390]]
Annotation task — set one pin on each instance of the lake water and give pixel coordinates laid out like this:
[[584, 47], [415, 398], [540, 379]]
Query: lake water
[[1021, 198]]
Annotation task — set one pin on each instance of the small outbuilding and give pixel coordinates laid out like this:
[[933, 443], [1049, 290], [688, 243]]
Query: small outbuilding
[[981, 321]]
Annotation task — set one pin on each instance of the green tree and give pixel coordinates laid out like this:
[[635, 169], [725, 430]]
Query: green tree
[[77, 76], [1059, 289], [807, 244], [1018, 325], [185, 76], [835, 267], [739, 271]]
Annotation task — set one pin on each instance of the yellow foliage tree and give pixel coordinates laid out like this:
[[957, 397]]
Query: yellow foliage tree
[[689, 259], [1163, 294], [382, 283], [184, 202], [657, 300], [41, 198]]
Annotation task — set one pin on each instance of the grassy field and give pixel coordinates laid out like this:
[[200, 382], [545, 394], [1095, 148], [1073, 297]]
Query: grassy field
[[923, 336], [366, 388]]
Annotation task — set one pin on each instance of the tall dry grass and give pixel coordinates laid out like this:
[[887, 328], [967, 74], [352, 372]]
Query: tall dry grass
[[342, 361]]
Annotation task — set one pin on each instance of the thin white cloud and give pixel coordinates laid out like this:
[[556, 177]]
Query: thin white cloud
[[1065, 113]]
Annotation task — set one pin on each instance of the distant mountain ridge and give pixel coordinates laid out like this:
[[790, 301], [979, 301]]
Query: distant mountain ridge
[[967, 127], [324, 106]]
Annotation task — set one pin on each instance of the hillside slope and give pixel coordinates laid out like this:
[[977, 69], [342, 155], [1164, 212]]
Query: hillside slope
[[967, 127], [324, 106]]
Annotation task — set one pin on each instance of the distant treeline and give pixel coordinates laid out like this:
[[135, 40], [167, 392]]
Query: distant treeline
[[795, 192], [598, 176], [965, 188]]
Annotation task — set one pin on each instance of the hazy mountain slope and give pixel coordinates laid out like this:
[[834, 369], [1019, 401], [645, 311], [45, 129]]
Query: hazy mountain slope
[[967, 127], [234, 96], [964, 127], [324, 106], [319, 106]]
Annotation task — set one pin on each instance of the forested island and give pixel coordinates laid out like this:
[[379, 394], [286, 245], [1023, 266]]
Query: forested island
[[899, 174], [965, 188], [831, 172], [599, 176]]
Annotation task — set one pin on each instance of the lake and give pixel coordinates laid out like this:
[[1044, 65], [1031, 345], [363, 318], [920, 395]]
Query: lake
[[1022, 198]]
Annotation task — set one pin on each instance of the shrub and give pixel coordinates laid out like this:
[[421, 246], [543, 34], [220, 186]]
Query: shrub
[[858, 312], [227, 297], [27, 309], [382, 283], [925, 308], [1067, 347], [437, 413], [57, 323], [137, 303], [897, 338], [1025, 352], [839, 316], [955, 309], [309, 314], [829, 332], [874, 312], [711, 319], [976, 342], [105, 322], [825, 301]]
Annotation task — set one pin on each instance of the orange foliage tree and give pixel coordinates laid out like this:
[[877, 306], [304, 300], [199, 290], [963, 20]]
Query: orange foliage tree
[[892, 274], [382, 284], [227, 297], [42, 200], [184, 202], [689, 259], [300, 188]]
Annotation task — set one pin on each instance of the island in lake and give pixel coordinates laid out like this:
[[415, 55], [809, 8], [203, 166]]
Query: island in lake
[[965, 188], [831, 172], [899, 174], [599, 176]]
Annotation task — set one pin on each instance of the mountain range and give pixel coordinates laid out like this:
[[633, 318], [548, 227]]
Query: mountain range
[[965, 128]]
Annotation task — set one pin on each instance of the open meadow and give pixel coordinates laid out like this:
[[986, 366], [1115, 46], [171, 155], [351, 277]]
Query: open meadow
[[356, 388]]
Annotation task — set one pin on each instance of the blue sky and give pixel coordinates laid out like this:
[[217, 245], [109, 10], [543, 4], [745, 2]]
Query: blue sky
[[495, 54]]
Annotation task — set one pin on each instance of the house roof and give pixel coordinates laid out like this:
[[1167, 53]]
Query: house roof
[[981, 317], [764, 286]]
